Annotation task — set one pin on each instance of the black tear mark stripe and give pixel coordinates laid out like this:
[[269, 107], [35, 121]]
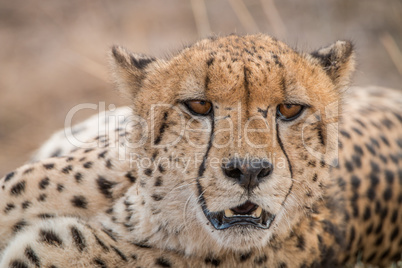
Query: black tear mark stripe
[[201, 169], [162, 129], [287, 158], [247, 89]]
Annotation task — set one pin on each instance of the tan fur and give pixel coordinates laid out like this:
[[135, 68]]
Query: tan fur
[[152, 215]]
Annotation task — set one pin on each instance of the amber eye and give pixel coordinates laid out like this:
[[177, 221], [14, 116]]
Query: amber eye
[[289, 111], [199, 107]]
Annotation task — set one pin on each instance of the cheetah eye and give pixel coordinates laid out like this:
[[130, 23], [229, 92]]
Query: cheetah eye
[[199, 107], [289, 111]]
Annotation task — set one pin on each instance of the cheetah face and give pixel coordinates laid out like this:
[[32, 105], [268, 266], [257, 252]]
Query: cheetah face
[[237, 120]]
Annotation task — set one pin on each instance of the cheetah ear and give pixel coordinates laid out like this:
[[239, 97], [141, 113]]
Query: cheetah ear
[[338, 60], [129, 69]]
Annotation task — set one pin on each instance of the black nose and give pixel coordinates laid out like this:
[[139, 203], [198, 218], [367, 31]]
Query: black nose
[[248, 173]]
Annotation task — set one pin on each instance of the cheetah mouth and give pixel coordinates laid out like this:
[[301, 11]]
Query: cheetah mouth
[[247, 214]]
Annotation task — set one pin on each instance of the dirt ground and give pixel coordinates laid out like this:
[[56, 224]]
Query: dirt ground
[[53, 54]]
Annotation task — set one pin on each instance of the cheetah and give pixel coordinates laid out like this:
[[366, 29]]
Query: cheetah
[[238, 151]]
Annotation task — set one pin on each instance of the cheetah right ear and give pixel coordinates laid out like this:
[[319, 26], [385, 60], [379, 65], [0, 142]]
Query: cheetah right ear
[[338, 61], [129, 69]]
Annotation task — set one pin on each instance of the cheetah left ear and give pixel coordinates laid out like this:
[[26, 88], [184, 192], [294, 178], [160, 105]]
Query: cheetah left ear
[[338, 60], [129, 69]]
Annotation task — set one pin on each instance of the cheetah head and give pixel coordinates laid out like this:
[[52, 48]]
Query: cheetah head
[[235, 133]]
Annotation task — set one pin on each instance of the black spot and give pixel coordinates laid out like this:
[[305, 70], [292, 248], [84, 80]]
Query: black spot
[[67, 169], [44, 183], [161, 169], [101, 243], [46, 216], [394, 234], [379, 240], [394, 216], [9, 207], [9, 176], [370, 149], [345, 134], [42, 197], [163, 262], [100, 263], [109, 233], [371, 193], [355, 181], [141, 245], [245, 256], [19, 226], [352, 235], [18, 264], [358, 149], [87, 164], [212, 261], [122, 256], [387, 195], [349, 166], [157, 197], [369, 229], [18, 188], [26, 204], [109, 164], [374, 180], [367, 213], [384, 140], [261, 259], [69, 159], [210, 61], [357, 131], [105, 186], [31, 256], [301, 242], [88, 150], [282, 265], [102, 154], [28, 170], [356, 161], [371, 257], [389, 177], [48, 166], [78, 238], [384, 212], [60, 187], [383, 159], [130, 177], [79, 201], [50, 237], [158, 181], [78, 177]]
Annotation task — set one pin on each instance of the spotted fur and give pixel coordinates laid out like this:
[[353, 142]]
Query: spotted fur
[[335, 189]]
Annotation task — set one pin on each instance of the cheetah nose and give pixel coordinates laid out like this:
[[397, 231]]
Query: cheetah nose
[[248, 173]]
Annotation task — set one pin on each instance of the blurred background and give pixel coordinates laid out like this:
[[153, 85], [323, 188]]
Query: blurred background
[[53, 54]]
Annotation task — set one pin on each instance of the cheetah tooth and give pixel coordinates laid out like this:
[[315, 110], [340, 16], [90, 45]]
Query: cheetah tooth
[[228, 213], [257, 213]]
